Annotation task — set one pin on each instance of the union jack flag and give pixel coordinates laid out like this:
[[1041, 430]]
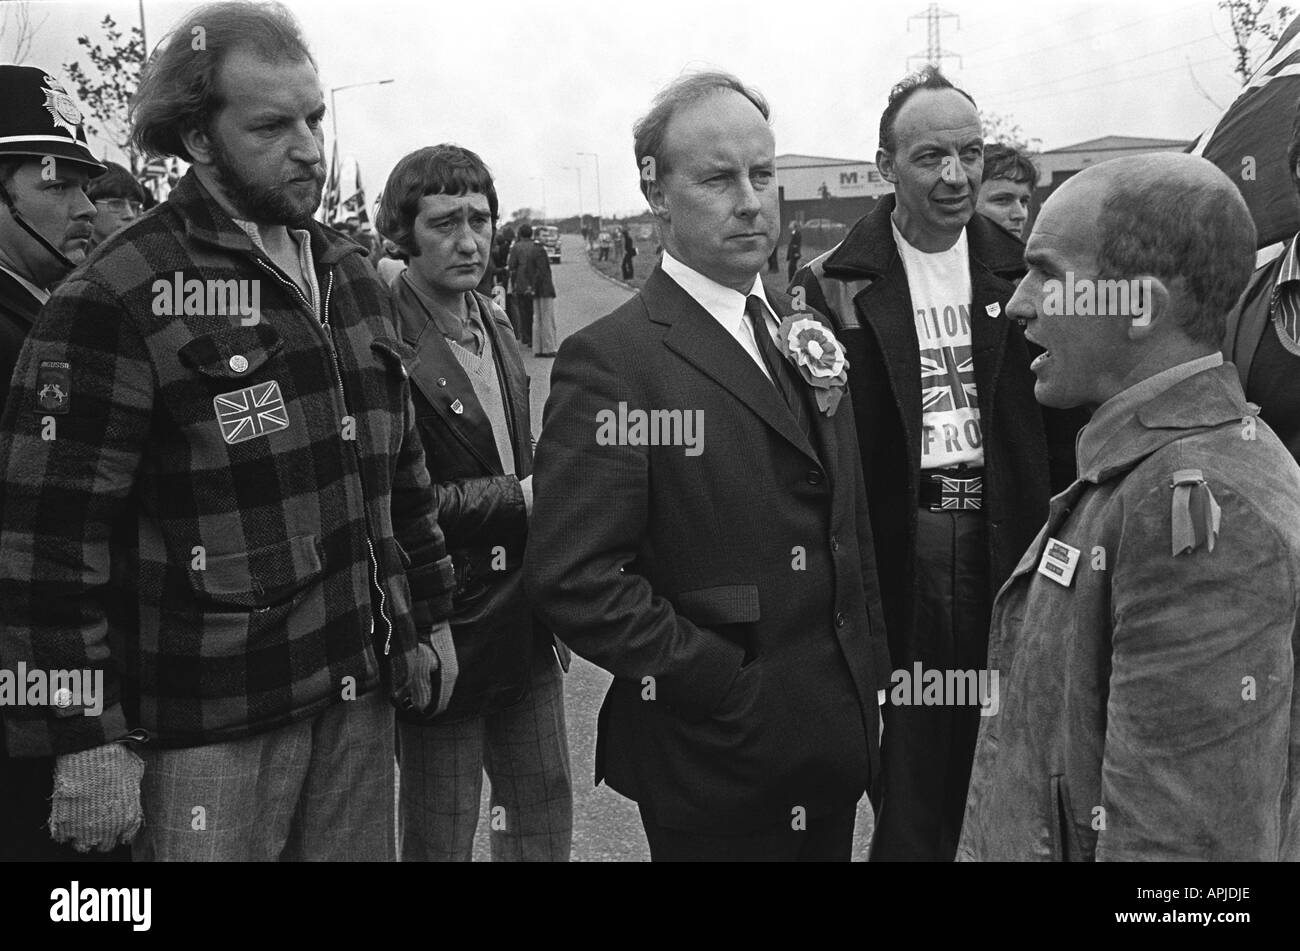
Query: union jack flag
[[252, 411], [1255, 127], [960, 494], [947, 379]]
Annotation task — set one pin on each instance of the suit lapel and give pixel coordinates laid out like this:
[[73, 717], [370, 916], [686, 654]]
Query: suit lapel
[[988, 336], [887, 307], [698, 339], [438, 375]]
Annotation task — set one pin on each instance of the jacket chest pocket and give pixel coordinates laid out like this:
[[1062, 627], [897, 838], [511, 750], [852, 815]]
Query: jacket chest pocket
[[231, 354]]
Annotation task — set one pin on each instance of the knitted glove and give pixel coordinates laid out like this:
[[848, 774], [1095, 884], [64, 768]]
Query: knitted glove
[[96, 800], [435, 671]]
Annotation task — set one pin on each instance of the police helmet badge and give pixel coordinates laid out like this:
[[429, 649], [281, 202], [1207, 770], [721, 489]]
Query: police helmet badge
[[61, 106]]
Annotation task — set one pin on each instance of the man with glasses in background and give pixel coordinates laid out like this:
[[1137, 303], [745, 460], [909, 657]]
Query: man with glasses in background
[[119, 199]]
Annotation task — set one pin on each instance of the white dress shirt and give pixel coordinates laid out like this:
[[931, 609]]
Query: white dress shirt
[[724, 305]]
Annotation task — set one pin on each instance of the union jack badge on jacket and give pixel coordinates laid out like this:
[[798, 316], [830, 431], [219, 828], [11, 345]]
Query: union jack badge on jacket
[[253, 411]]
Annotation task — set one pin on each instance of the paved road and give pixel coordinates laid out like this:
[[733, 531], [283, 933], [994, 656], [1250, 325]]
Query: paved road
[[606, 826]]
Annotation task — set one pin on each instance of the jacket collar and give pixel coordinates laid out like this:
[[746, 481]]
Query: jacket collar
[[724, 304], [1203, 401], [207, 222], [17, 299], [701, 341], [438, 375], [868, 249]]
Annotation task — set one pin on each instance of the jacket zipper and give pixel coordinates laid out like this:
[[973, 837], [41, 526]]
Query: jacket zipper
[[324, 321]]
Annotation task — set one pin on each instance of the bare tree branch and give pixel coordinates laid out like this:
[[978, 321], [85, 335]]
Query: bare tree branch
[[16, 23], [1249, 24], [1199, 88]]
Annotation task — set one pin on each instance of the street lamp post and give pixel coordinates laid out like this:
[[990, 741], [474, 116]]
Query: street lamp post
[[578, 171], [600, 211], [334, 115]]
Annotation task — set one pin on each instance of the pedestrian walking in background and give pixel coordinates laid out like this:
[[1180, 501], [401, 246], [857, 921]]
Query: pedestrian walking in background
[[629, 252], [544, 342], [520, 264]]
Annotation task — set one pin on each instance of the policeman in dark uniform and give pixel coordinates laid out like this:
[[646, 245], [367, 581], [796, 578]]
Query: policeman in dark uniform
[[45, 230]]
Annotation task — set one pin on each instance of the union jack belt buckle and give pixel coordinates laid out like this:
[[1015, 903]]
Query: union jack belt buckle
[[253, 411], [958, 494]]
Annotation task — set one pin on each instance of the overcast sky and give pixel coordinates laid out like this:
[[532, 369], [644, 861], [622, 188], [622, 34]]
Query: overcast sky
[[528, 84]]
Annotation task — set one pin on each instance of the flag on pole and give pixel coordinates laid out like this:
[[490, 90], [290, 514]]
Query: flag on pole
[[330, 198], [355, 204], [1250, 140]]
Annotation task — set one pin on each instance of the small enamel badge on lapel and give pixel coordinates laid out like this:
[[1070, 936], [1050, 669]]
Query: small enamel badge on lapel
[[458, 407], [1058, 562], [993, 309]]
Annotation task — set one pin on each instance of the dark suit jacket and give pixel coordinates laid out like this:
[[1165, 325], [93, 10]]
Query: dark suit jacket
[[732, 593], [18, 310], [480, 509]]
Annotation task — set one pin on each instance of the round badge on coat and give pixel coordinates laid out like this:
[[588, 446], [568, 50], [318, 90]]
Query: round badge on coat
[[239, 363]]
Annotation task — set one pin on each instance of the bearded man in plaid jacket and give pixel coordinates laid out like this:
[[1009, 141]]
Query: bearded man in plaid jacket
[[213, 492]]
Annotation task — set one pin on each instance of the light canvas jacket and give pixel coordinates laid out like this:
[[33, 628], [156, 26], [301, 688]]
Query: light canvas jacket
[[1147, 710]]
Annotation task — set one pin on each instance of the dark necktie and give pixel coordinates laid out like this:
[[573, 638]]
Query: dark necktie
[[782, 371]]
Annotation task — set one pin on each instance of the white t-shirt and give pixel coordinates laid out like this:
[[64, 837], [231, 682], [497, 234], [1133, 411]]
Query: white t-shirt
[[941, 298]]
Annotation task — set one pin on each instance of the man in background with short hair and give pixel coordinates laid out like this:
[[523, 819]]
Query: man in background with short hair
[[521, 265], [1007, 188], [119, 199]]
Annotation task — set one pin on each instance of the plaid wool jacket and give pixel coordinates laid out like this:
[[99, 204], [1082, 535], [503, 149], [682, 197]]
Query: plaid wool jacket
[[231, 517]]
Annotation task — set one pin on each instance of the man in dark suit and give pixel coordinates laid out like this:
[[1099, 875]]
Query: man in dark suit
[[718, 561], [959, 459]]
